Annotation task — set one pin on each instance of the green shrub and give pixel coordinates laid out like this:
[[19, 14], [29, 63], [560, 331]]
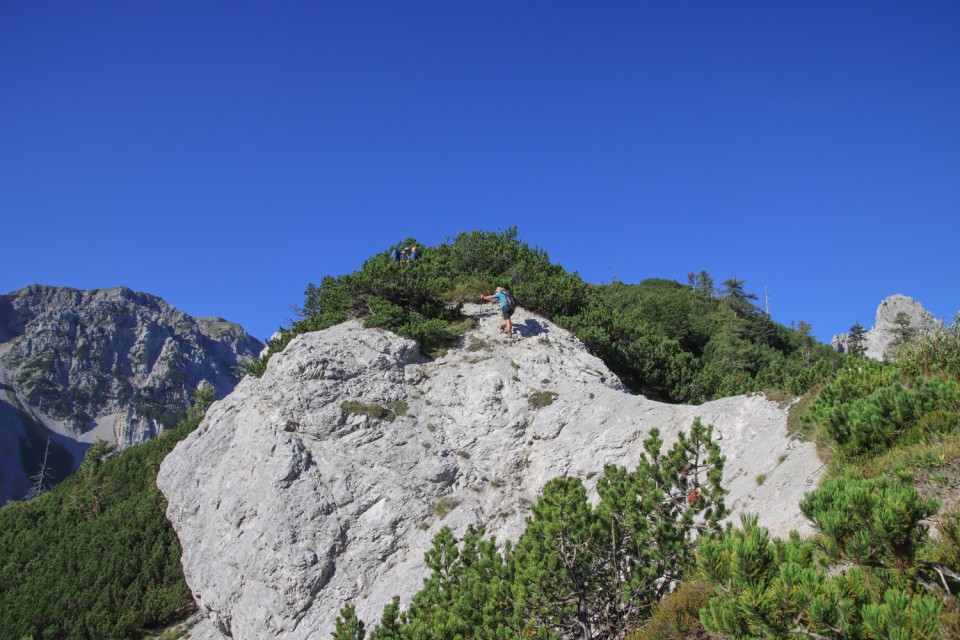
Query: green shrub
[[445, 505], [476, 344], [663, 339], [468, 291], [867, 408]]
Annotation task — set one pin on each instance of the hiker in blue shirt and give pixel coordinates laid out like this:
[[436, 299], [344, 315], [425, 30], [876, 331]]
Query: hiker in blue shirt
[[507, 307]]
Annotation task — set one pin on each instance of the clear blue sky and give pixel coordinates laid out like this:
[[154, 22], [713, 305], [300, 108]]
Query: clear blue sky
[[222, 155]]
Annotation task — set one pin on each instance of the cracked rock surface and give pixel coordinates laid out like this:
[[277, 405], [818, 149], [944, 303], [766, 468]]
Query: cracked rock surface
[[324, 481]]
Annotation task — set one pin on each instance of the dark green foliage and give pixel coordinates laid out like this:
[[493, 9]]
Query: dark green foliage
[[597, 571], [349, 627], [902, 329], [867, 572], [867, 407], [676, 343], [875, 523], [859, 578], [95, 557], [578, 570], [665, 340], [857, 335]]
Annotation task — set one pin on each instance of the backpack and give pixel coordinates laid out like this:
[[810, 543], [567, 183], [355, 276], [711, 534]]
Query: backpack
[[509, 304]]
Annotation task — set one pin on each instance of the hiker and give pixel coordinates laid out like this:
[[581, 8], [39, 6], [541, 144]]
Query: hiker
[[413, 254], [507, 306], [397, 254]]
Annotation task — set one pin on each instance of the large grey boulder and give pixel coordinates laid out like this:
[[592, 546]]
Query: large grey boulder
[[294, 496], [880, 340], [102, 364]]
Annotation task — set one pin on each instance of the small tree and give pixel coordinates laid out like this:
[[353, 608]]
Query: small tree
[[903, 331], [705, 283], [578, 571], [349, 626], [857, 337], [597, 572], [737, 299]]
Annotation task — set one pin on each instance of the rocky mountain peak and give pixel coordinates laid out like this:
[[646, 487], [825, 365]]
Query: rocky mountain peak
[[881, 338], [112, 364], [324, 481]]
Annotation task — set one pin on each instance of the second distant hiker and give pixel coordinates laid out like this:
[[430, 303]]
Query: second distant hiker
[[507, 307]]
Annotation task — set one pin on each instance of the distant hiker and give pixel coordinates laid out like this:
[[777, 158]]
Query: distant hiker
[[507, 306], [397, 254], [406, 255], [413, 254]]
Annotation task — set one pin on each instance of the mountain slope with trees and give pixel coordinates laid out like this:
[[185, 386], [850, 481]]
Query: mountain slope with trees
[[877, 567]]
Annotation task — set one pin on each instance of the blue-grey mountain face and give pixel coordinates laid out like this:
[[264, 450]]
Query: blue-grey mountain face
[[104, 364]]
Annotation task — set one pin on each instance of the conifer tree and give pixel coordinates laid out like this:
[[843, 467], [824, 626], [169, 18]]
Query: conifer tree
[[349, 627], [705, 283], [578, 571], [857, 336], [737, 299], [902, 330]]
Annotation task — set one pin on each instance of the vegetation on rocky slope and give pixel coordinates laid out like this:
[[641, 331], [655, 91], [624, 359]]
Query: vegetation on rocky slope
[[891, 435], [95, 557], [669, 341]]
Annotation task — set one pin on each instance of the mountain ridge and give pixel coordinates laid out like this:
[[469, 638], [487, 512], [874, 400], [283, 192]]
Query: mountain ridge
[[79, 366]]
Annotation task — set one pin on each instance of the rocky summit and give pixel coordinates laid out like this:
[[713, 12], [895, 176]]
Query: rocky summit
[[103, 364], [880, 340], [324, 481]]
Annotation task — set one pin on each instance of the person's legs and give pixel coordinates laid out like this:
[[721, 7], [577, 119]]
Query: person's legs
[[507, 323]]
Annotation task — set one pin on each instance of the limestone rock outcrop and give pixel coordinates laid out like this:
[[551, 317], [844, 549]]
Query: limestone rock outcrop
[[324, 481], [879, 341], [111, 364]]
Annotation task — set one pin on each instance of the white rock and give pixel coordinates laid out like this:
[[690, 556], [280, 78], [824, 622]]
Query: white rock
[[287, 507]]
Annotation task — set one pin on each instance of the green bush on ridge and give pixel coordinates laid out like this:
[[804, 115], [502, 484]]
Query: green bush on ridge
[[666, 340]]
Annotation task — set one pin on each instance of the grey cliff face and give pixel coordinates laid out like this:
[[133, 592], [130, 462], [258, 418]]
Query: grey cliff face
[[109, 364], [880, 340], [324, 481]]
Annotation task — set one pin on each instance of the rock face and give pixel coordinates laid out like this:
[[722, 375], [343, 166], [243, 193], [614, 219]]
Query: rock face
[[111, 364], [879, 340], [324, 481]]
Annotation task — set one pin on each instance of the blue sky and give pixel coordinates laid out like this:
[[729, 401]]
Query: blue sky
[[222, 155]]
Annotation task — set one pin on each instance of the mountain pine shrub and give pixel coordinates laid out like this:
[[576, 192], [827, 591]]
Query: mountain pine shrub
[[868, 407], [578, 570], [668, 341], [860, 577]]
